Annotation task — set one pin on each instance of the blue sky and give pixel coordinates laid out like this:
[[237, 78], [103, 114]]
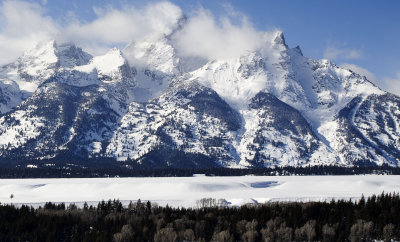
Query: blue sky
[[361, 34]]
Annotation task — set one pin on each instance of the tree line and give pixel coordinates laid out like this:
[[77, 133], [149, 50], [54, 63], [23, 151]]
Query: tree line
[[372, 218], [107, 167]]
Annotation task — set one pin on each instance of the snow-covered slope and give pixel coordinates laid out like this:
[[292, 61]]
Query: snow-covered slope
[[189, 125], [185, 191], [268, 107], [19, 80]]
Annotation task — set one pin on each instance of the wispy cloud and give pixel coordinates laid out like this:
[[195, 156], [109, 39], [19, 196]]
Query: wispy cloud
[[121, 26], [361, 71], [210, 38], [392, 84], [22, 26], [344, 53], [25, 24]]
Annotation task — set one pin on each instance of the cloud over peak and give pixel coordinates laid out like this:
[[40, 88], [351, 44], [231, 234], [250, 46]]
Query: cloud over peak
[[120, 26], [392, 84], [204, 36], [25, 24], [22, 26]]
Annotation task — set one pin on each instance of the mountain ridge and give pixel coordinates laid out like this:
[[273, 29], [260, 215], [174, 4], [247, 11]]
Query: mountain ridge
[[265, 108]]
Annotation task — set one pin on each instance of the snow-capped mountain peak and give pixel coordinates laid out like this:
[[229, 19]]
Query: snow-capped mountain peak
[[42, 61], [69, 55], [156, 55], [279, 38], [270, 106], [38, 63]]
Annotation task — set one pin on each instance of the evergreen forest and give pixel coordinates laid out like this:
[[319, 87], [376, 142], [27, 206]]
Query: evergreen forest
[[369, 219]]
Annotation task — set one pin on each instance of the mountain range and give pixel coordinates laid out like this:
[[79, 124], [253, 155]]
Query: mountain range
[[148, 104]]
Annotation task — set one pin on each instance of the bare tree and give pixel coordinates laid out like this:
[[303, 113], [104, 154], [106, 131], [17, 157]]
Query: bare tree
[[276, 230], [328, 232], [252, 225], [307, 232], [206, 203], [389, 232], [223, 236], [125, 235], [188, 235], [241, 227], [250, 236], [361, 231], [284, 234], [251, 233], [165, 235], [199, 228]]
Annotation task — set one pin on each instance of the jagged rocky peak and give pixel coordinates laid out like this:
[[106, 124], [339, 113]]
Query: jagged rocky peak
[[298, 50], [39, 62], [69, 55], [239, 78], [279, 38], [51, 54]]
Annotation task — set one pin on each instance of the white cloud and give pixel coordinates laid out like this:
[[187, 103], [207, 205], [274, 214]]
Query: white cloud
[[204, 36], [361, 71], [392, 84], [336, 53], [115, 26], [22, 26]]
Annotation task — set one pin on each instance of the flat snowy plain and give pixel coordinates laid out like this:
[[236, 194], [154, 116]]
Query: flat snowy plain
[[185, 191]]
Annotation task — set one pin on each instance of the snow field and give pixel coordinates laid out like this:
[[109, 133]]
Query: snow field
[[185, 191]]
